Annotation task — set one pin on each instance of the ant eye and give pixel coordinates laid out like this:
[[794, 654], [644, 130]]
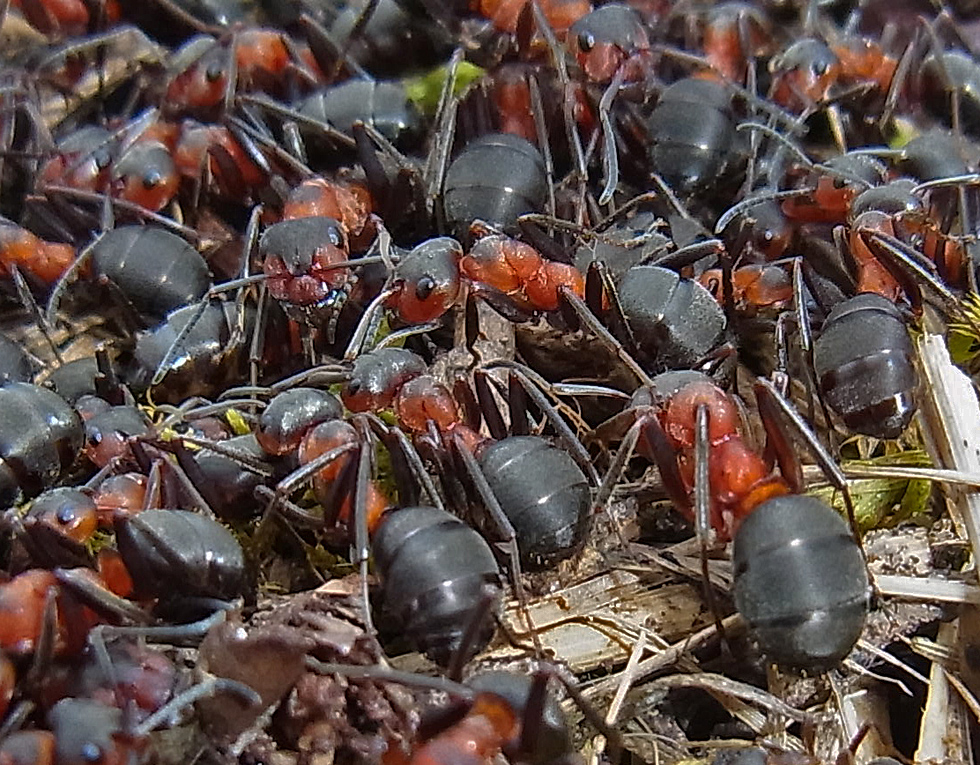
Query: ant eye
[[586, 41], [336, 238], [102, 159], [95, 438], [214, 72], [152, 179], [424, 287], [64, 515], [91, 753]]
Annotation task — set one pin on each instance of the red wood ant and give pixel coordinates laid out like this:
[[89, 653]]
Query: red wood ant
[[208, 70], [133, 163], [664, 417], [428, 280], [611, 40], [496, 712], [689, 427]]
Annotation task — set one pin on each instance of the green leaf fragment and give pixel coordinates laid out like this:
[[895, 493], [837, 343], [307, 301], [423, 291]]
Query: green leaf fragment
[[424, 90]]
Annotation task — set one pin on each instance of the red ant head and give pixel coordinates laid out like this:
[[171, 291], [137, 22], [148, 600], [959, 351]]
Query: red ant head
[[323, 438], [804, 73], [301, 257], [424, 399], [376, 378], [200, 85], [67, 512], [608, 38], [427, 280], [291, 414], [146, 175], [731, 30]]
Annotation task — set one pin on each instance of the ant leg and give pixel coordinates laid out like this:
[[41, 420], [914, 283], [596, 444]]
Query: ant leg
[[623, 454], [594, 292], [44, 646], [520, 423], [610, 157], [578, 452], [422, 476], [93, 594], [278, 497], [386, 674], [468, 402], [437, 161], [107, 384], [805, 335], [191, 632], [288, 510], [488, 405], [619, 326], [374, 171], [590, 321], [588, 711], [248, 248], [771, 406], [256, 347], [248, 461], [691, 254], [401, 469], [176, 347], [153, 490], [899, 78], [778, 445], [189, 486], [656, 448], [504, 526], [753, 201], [27, 300], [362, 549], [68, 277], [193, 472], [474, 623], [360, 24], [568, 89], [702, 488], [906, 265], [210, 687], [367, 325], [702, 510], [541, 130], [327, 52], [16, 717]]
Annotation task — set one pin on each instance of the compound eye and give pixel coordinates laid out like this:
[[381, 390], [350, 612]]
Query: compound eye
[[214, 72], [424, 287], [586, 41], [152, 179]]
